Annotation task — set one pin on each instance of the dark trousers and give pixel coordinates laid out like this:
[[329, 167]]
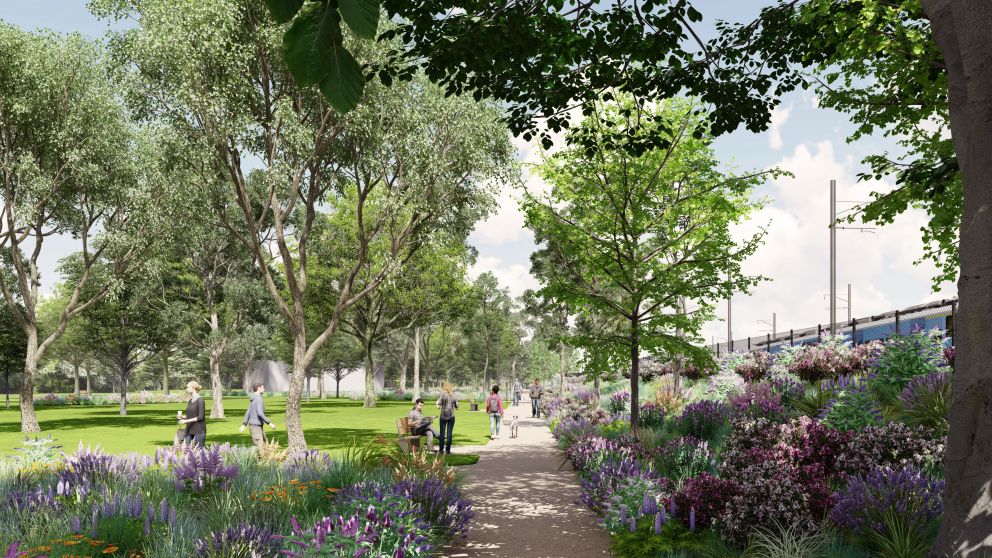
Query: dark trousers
[[447, 431], [535, 407], [196, 439]]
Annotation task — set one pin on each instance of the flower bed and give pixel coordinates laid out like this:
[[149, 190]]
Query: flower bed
[[831, 447], [227, 502]]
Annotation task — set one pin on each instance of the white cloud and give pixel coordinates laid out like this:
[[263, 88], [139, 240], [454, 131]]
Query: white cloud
[[795, 256], [780, 115], [514, 276]]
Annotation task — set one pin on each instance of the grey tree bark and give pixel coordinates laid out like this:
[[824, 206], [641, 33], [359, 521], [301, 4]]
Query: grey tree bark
[[962, 31], [416, 363]]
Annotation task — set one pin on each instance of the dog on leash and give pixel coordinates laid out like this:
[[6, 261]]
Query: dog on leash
[[514, 427]]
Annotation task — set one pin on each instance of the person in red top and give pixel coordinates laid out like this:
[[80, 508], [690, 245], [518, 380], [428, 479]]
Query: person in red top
[[494, 406]]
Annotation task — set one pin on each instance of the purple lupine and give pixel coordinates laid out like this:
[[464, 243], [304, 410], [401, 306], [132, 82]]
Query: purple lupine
[[164, 511], [649, 506], [94, 523], [623, 514], [13, 551], [860, 506], [235, 540], [633, 524], [692, 519], [202, 469], [76, 527], [658, 520]]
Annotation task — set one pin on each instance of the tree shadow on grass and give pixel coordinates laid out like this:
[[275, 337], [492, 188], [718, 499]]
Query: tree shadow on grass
[[102, 418], [317, 438]]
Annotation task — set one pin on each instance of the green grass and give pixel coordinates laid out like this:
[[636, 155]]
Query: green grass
[[329, 425], [459, 459]]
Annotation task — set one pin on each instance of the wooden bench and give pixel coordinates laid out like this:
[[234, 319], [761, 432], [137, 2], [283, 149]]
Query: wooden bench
[[405, 437]]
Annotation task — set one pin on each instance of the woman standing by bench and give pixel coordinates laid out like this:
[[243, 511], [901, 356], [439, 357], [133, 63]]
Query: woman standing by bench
[[447, 403]]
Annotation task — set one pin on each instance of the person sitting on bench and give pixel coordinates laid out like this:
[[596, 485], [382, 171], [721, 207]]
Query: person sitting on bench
[[421, 425]]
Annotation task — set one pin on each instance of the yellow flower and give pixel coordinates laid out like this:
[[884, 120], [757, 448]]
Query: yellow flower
[[109, 550]]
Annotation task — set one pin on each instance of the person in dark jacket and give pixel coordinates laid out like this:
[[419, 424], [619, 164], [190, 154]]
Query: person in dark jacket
[[255, 415], [195, 418]]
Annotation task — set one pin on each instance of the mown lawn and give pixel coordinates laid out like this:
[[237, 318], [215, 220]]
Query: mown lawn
[[330, 425]]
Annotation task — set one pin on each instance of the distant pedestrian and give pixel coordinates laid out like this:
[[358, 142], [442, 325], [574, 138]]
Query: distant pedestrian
[[536, 391], [421, 425], [517, 392], [255, 415], [494, 406], [195, 417], [447, 403]]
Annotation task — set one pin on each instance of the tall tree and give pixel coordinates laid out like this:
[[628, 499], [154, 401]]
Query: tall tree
[[631, 234], [285, 153], [68, 165]]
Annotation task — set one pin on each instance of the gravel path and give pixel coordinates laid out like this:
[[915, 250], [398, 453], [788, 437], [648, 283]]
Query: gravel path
[[524, 506]]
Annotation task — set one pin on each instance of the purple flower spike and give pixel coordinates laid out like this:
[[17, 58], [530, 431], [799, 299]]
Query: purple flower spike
[[692, 519], [658, 520], [76, 524], [633, 525]]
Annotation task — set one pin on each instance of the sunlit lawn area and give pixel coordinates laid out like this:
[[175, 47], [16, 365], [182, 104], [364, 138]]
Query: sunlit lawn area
[[330, 425]]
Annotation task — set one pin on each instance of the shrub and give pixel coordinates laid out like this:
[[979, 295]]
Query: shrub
[[668, 396], [441, 505], [689, 370], [38, 452], [905, 357], [652, 414], [861, 506], [820, 362], [634, 496], [892, 445], [782, 541], [925, 401], [702, 419], [725, 382], [790, 388], [707, 495], [619, 402], [599, 483], [682, 458], [769, 495], [372, 532], [851, 405], [651, 537], [757, 401], [569, 430], [756, 366]]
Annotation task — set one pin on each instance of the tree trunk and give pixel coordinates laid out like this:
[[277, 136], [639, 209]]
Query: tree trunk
[[635, 374], [595, 385], [369, 375], [216, 385], [6, 387], [403, 366], [165, 371], [337, 383], [29, 421], [294, 419], [320, 384], [124, 374], [309, 374], [75, 377], [562, 364], [89, 390], [416, 363], [961, 30]]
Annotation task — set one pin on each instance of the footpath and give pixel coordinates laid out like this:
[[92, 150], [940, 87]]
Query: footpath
[[525, 507]]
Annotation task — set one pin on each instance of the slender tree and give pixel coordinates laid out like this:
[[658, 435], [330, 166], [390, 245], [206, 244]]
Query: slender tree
[[630, 234]]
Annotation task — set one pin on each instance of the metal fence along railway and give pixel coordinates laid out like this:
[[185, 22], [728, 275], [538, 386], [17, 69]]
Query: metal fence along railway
[[932, 315]]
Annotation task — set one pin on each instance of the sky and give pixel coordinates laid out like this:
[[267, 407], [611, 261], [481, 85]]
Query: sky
[[805, 139]]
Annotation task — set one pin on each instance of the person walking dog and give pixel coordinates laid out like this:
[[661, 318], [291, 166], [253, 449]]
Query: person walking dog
[[536, 391], [195, 418], [447, 403], [255, 415], [494, 406]]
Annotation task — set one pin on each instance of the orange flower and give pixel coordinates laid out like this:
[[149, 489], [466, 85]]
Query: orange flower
[[109, 550], [44, 548], [71, 542]]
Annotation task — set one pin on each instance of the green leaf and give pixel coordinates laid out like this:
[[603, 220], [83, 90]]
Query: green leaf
[[362, 16], [344, 84], [310, 42], [283, 10]]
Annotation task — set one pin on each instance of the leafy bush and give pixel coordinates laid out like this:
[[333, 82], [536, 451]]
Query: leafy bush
[[702, 419], [892, 445], [707, 495], [757, 401], [568, 430], [769, 495], [905, 357], [866, 503], [820, 362], [725, 382], [634, 496], [619, 402], [755, 366], [652, 414], [682, 458], [689, 370], [790, 388], [781, 541], [852, 405], [668, 397], [38, 452], [441, 505], [652, 536], [600, 483], [925, 401]]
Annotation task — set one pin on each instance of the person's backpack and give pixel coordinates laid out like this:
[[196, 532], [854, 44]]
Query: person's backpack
[[493, 404]]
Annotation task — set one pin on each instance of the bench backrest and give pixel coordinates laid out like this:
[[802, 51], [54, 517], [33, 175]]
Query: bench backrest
[[403, 426]]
